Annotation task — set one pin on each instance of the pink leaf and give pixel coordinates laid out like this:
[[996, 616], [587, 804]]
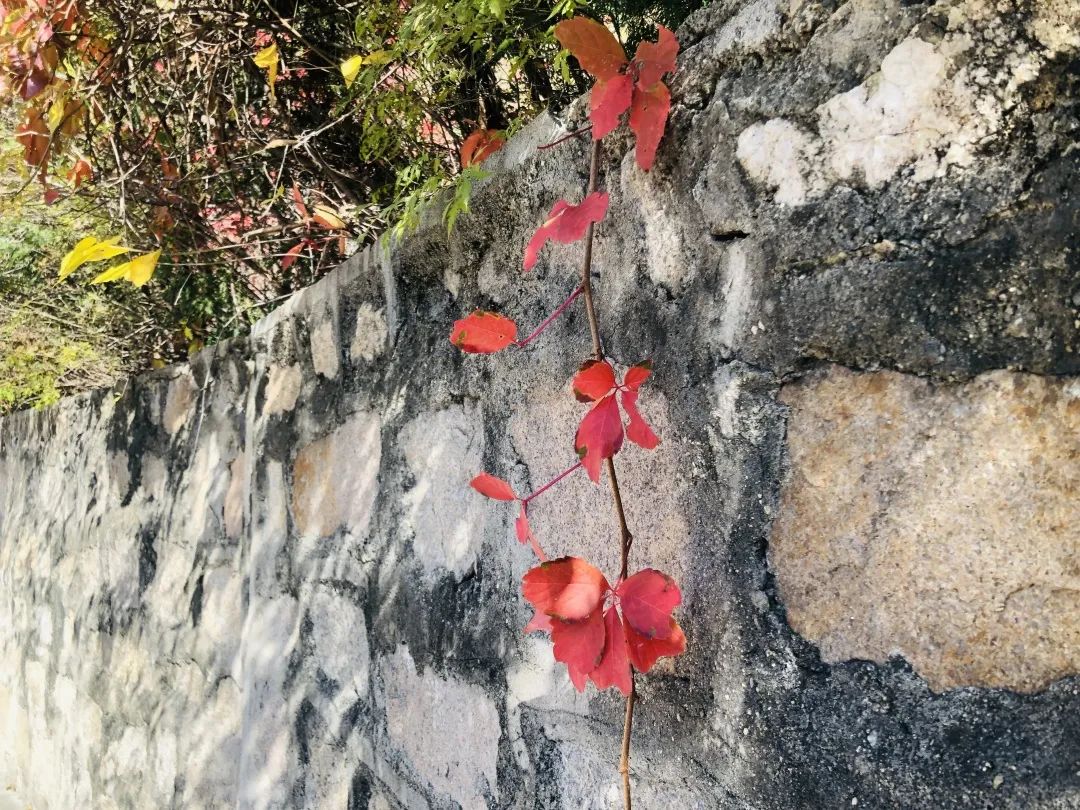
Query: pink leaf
[[492, 487], [599, 436], [566, 223]]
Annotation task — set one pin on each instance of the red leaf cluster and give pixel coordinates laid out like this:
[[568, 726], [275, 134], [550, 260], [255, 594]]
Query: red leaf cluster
[[622, 84], [600, 434], [599, 632], [566, 223]]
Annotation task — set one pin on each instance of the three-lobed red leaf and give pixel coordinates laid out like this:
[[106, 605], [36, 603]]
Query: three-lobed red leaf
[[483, 332], [579, 645], [609, 99], [637, 375], [593, 45], [567, 588], [644, 651], [648, 118], [647, 600], [492, 487], [638, 430], [566, 223], [654, 59], [481, 145], [614, 666], [593, 380], [599, 436]]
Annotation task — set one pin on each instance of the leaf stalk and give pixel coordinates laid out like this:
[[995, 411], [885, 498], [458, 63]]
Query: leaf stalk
[[559, 310]]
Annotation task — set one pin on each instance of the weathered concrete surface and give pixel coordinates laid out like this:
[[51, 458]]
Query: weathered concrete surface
[[260, 580]]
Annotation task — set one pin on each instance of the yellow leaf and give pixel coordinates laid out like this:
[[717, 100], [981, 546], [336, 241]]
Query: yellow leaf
[[138, 271], [56, 114], [327, 218], [267, 59], [90, 250], [350, 68]]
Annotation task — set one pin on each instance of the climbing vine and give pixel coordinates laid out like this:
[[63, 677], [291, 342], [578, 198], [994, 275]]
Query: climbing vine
[[604, 633]]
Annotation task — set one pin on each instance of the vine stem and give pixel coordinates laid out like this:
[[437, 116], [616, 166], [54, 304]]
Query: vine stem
[[551, 483], [521, 344], [575, 134], [626, 539]]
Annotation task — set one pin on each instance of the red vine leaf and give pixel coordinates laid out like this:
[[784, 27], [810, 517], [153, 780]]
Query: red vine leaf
[[579, 645], [593, 45], [292, 254], [481, 145], [609, 99], [594, 379], [644, 650], [566, 223], [80, 172], [525, 535], [567, 588], [599, 436], [638, 430], [654, 59], [647, 599], [491, 487], [648, 117], [614, 666], [636, 375], [298, 201], [521, 525], [483, 332]]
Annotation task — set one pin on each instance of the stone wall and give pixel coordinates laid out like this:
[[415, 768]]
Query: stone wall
[[260, 581]]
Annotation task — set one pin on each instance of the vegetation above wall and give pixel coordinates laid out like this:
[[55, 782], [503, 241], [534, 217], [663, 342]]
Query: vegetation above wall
[[253, 142]]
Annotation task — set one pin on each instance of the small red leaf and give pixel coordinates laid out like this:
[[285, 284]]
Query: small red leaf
[[644, 650], [594, 46], [483, 333], [614, 666], [567, 588], [579, 645], [79, 172], [638, 431], [524, 532], [481, 145], [292, 254], [654, 59], [298, 201], [647, 599], [609, 99], [566, 223], [599, 436], [636, 375], [648, 117], [491, 487], [594, 379]]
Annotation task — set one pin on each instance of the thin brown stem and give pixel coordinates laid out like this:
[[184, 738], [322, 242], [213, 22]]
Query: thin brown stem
[[625, 538], [550, 319], [575, 134], [628, 727]]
